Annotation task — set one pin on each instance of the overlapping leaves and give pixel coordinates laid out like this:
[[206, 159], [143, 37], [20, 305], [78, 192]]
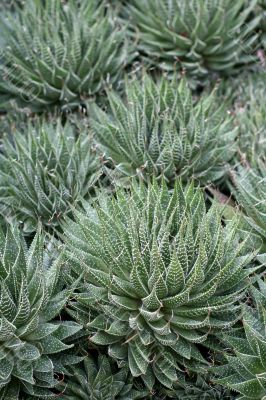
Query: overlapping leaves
[[158, 131], [246, 370], [30, 299], [160, 273], [100, 380], [251, 115], [199, 36], [251, 195], [45, 170], [60, 54]]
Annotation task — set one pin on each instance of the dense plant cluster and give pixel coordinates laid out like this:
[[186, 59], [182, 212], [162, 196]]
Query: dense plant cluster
[[132, 200]]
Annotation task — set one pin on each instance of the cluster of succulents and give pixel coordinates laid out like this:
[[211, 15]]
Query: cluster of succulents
[[132, 200]]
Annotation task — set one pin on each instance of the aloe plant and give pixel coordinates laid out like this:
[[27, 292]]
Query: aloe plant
[[161, 275], [250, 115], [199, 387], [245, 371], [45, 170], [250, 192], [199, 36], [158, 130], [59, 54], [32, 342], [100, 380]]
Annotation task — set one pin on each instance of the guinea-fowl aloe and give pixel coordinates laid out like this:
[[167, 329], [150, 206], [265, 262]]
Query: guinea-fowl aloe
[[246, 370], [200, 36], [60, 53], [100, 379], [160, 274], [31, 341], [159, 131], [45, 169], [250, 192]]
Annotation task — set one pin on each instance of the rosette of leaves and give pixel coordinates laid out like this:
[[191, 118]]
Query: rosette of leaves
[[60, 54], [32, 342], [45, 170], [199, 388], [161, 275], [250, 192], [246, 369], [100, 380], [198, 36], [159, 131]]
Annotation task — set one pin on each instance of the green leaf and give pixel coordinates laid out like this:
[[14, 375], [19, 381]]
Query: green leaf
[[51, 345]]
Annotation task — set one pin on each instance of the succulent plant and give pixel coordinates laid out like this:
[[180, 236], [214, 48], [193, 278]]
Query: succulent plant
[[161, 275], [199, 388], [58, 54], [99, 380], [158, 131], [31, 298], [246, 370], [251, 194], [199, 36], [45, 170], [250, 115]]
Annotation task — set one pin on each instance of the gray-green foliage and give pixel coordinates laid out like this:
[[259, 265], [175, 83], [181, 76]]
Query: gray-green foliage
[[16, 120], [158, 130], [199, 388], [246, 369], [262, 12], [160, 275], [100, 380], [153, 286], [60, 54], [44, 171], [31, 297], [250, 193], [250, 115], [262, 3], [11, 4], [201, 36]]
